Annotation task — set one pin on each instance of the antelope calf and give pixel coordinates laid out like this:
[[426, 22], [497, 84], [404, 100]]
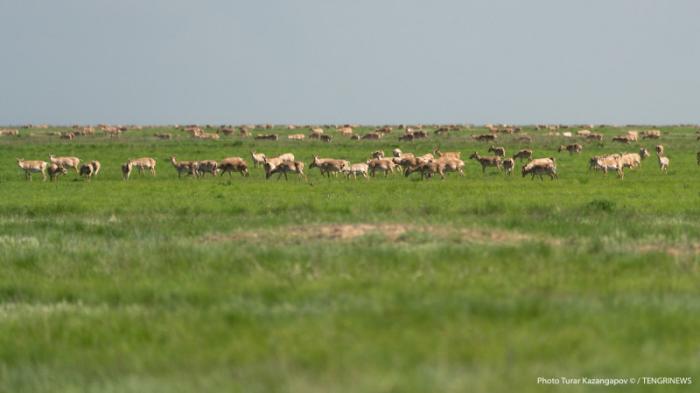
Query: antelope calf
[[572, 149], [233, 164], [498, 150], [30, 167], [508, 165], [525, 154], [207, 166], [660, 149], [55, 171], [66, 162], [90, 169], [486, 161], [377, 154], [126, 170], [663, 163]]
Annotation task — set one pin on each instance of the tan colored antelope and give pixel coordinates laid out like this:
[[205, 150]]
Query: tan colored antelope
[[574, 148], [621, 139], [345, 131], [660, 149], [609, 163], [427, 157], [296, 137], [450, 164], [285, 167], [144, 163], [66, 162], [440, 166], [55, 171], [186, 167], [353, 170], [258, 159], [539, 170], [328, 165], [633, 160], [30, 167], [372, 136], [316, 133], [233, 164], [271, 163], [525, 154], [447, 154], [651, 134], [486, 161], [380, 164]]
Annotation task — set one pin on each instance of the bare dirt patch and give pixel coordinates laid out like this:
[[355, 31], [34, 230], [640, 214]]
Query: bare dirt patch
[[390, 232]]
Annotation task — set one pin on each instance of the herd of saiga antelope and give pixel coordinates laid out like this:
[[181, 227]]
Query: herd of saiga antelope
[[427, 165]]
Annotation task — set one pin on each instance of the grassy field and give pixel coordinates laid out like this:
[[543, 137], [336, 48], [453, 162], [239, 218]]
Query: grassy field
[[479, 283]]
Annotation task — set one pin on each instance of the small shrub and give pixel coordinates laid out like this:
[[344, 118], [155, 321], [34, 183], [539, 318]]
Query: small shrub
[[602, 205]]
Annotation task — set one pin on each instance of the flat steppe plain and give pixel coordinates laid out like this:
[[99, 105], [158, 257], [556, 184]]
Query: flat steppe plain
[[479, 283]]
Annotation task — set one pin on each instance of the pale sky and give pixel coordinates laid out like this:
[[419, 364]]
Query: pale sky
[[356, 61]]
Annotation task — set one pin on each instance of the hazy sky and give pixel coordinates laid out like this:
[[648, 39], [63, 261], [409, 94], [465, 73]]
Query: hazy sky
[[359, 61]]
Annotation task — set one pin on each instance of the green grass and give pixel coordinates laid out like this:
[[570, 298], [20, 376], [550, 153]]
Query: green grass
[[481, 283]]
